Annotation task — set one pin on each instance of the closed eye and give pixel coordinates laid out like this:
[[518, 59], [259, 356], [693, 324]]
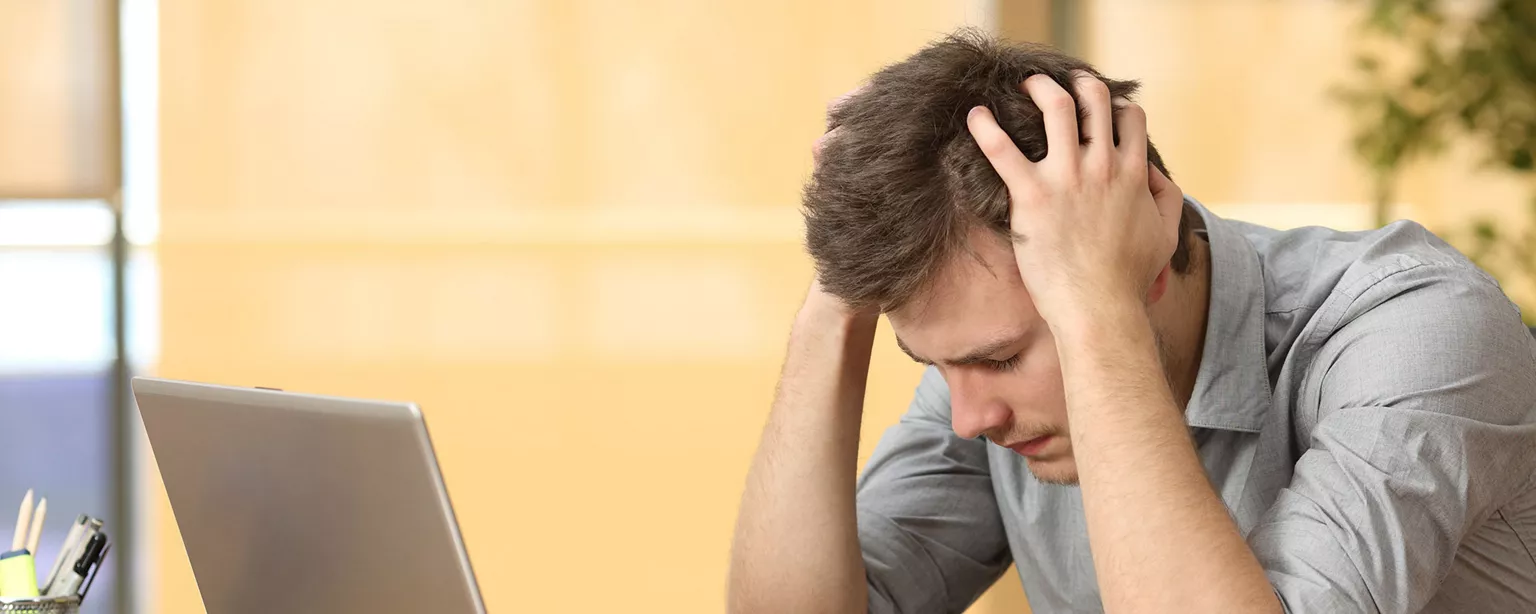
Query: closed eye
[[1004, 365]]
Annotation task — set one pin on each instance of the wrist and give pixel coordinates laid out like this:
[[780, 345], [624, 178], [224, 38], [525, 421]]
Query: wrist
[[1089, 312], [822, 308], [1099, 317]]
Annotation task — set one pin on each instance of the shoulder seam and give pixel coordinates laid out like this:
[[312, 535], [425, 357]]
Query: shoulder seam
[[1403, 264]]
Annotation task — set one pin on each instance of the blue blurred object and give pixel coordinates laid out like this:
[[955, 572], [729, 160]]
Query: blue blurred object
[[58, 442]]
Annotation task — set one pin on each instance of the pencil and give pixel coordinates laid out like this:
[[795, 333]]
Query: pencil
[[37, 526], [20, 539]]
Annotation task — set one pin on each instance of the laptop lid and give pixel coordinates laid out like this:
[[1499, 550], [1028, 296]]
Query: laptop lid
[[303, 504]]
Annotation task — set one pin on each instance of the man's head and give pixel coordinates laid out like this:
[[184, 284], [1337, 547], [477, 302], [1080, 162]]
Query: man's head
[[905, 213]]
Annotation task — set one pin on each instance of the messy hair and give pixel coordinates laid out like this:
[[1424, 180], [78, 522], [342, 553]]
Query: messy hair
[[902, 182]]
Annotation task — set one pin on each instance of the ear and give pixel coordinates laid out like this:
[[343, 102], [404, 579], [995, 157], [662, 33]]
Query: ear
[[1159, 285]]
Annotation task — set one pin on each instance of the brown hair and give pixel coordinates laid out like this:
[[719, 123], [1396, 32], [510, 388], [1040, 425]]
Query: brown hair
[[900, 184]]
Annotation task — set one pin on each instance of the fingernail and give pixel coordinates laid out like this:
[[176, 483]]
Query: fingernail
[[972, 115]]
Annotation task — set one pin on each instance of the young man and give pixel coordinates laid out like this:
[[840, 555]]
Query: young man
[[1146, 407]]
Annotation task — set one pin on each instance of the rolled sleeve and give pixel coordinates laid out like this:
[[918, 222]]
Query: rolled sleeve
[[929, 527], [1422, 431]]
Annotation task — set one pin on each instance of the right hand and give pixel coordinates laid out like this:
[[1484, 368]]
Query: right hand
[[816, 297]]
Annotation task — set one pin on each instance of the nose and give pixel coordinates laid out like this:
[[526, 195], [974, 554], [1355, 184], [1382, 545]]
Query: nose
[[973, 408]]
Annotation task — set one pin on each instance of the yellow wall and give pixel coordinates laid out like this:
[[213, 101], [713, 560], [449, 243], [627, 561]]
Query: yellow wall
[[567, 229], [56, 99]]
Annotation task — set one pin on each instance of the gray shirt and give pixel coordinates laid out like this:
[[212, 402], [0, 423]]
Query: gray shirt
[[1365, 407]]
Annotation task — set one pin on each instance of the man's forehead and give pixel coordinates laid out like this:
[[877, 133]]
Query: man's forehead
[[976, 298], [966, 352], [980, 288], [964, 326]]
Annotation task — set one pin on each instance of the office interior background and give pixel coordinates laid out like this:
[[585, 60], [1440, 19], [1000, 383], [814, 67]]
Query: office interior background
[[568, 228]]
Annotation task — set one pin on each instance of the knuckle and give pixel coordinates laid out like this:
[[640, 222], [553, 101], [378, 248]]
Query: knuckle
[[1096, 171], [1135, 174], [993, 143], [1092, 87], [1062, 102]]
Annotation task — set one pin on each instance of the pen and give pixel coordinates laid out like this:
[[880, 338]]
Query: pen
[[71, 542], [75, 574], [100, 559]]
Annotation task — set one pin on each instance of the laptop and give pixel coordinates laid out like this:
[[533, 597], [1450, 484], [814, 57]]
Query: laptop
[[304, 504]]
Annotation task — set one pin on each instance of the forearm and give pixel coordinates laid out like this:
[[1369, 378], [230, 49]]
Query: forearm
[[1162, 540], [796, 547]]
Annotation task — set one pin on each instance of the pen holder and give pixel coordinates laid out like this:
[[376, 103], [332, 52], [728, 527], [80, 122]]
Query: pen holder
[[41, 605]]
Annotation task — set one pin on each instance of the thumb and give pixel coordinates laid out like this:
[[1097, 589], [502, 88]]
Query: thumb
[[1167, 195], [1169, 200], [1159, 183]]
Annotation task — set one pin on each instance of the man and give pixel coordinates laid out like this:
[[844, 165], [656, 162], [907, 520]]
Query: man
[[1254, 420]]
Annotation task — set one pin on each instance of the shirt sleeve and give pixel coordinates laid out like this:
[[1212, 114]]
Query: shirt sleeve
[[1422, 430], [929, 526]]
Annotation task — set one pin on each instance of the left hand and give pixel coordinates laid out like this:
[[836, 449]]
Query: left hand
[[1094, 225]]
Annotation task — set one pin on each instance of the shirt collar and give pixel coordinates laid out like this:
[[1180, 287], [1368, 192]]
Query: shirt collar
[[1232, 386]]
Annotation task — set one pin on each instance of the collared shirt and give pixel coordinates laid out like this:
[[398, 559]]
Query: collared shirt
[[1365, 407]]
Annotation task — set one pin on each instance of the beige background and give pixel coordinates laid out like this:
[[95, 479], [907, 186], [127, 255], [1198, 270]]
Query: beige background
[[57, 116], [569, 230]]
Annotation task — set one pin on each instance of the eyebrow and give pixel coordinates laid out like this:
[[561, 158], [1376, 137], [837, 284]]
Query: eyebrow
[[979, 355]]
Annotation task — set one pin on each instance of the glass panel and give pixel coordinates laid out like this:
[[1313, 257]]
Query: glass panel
[[56, 314], [54, 223], [141, 120]]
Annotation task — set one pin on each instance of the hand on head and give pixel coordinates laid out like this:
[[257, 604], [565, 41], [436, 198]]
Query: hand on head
[[1095, 223]]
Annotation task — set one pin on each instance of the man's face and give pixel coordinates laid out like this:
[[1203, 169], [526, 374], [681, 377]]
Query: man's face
[[978, 325]]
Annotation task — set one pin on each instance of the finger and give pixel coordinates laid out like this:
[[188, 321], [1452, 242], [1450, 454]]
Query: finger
[[1006, 159], [1131, 120], [1098, 117], [1159, 183], [1159, 284], [1168, 196], [1060, 113]]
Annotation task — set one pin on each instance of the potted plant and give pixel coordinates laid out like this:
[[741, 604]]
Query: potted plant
[[1430, 71]]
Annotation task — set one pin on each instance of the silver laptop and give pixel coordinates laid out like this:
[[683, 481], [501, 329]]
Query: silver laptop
[[305, 504]]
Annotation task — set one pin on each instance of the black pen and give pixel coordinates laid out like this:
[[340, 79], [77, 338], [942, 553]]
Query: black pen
[[74, 575], [96, 553]]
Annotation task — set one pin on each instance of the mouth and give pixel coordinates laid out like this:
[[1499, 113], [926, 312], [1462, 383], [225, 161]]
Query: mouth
[[1032, 447]]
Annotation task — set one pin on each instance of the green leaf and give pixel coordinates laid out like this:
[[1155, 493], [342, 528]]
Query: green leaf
[[1484, 230], [1520, 160]]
